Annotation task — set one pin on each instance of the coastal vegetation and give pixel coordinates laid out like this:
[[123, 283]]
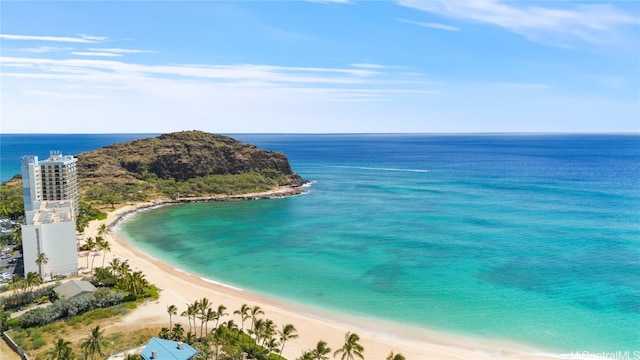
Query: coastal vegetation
[[215, 332], [87, 213], [44, 342], [261, 340], [119, 290], [116, 284], [11, 199]]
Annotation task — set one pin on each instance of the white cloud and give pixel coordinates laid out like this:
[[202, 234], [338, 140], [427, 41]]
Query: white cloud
[[94, 53], [431, 25], [61, 95], [81, 39], [593, 23], [117, 95], [368, 66], [370, 77], [94, 38], [120, 51], [45, 49], [243, 72]]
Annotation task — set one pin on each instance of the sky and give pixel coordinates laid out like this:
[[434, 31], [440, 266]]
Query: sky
[[340, 66]]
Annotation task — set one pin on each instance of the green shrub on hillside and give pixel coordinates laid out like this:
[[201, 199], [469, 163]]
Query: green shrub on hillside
[[11, 199], [220, 184], [19, 299], [86, 214], [63, 308]]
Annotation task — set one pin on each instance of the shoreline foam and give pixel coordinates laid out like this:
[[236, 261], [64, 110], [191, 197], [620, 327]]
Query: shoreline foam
[[379, 337]]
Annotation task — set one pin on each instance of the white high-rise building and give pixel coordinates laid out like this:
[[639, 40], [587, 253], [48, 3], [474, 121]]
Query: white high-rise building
[[52, 179], [31, 181], [50, 189]]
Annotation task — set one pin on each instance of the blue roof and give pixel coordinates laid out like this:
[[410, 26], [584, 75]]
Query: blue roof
[[167, 350]]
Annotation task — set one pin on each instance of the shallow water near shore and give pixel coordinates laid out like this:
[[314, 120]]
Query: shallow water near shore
[[533, 239]]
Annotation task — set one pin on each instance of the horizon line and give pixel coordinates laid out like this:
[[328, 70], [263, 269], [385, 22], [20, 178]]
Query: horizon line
[[612, 132]]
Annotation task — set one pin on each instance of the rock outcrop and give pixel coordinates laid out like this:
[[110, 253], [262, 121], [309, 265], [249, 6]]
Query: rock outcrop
[[182, 156]]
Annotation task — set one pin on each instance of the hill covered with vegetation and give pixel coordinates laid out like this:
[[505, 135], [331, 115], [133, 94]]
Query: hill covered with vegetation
[[180, 164]]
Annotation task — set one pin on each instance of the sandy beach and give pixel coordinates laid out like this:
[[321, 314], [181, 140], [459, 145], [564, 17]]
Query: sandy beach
[[379, 338]]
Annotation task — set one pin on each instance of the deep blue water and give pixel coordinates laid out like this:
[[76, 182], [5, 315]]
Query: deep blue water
[[532, 238], [13, 146]]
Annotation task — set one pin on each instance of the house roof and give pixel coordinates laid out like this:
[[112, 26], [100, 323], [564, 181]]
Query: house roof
[[74, 288], [167, 350]]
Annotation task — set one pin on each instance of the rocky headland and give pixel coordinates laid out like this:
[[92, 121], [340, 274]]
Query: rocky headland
[[183, 165]]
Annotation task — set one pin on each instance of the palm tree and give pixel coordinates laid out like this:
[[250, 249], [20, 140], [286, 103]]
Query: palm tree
[[210, 315], [190, 338], [41, 259], [186, 313], [244, 313], [114, 265], [93, 344], [320, 351], [90, 244], [172, 310], [103, 230], [351, 347], [288, 332], [33, 279], [306, 355], [177, 332], [258, 329], [103, 245], [118, 268], [254, 312], [268, 331], [18, 284], [230, 325], [220, 313], [191, 311], [203, 306], [61, 351], [272, 345], [135, 283], [165, 333], [218, 334], [393, 356]]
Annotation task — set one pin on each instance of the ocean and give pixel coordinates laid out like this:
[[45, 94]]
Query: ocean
[[528, 238]]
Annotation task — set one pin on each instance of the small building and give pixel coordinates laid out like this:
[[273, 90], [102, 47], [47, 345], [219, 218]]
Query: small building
[[162, 349], [73, 288]]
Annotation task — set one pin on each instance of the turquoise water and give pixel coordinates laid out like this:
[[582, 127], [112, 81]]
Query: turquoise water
[[534, 239]]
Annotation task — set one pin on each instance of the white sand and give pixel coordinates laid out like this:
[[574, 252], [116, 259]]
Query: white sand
[[378, 338]]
